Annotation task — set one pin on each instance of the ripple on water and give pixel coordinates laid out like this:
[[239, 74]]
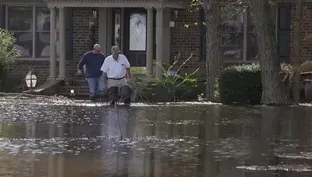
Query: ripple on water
[[294, 168], [301, 155]]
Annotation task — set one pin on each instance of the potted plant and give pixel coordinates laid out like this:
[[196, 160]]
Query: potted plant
[[305, 70]]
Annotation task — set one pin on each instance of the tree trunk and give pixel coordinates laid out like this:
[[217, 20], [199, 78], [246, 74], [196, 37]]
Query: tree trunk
[[274, 91], [297, 62], [214, 46]]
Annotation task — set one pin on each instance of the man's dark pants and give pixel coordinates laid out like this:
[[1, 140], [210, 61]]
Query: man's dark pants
[[119, 88]]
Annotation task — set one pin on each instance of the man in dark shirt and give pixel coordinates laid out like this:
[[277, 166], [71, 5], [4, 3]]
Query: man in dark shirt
[[93, 61]]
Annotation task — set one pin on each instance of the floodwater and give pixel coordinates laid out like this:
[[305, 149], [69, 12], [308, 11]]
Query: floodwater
[[54, 137]]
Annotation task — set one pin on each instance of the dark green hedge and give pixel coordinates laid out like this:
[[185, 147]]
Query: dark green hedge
[[241, 85]]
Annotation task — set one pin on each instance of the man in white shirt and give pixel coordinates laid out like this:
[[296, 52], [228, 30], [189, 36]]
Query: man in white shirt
[[116, 69]]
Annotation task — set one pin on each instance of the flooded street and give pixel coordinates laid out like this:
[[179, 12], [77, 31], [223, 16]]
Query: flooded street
[[44, 137]]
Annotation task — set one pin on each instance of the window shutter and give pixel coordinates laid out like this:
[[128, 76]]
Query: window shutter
[[69, 33], [2, 16], [283, 31], [203, 44]]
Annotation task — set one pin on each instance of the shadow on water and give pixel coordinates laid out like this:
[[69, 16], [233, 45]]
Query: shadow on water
[[61, 138]]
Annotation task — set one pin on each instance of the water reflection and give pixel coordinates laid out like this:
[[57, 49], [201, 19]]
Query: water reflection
[[72, 138]]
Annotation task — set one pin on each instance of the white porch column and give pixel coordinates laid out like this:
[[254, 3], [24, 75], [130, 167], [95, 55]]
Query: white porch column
[[122, 30], [52, 43], [102, 30], [159, 43], [62, 43], [149, 49], [109, 30]]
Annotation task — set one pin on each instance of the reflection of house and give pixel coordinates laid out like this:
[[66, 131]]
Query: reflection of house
[[144, 37]]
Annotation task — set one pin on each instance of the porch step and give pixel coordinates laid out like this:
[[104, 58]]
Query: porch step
[[78, 90], [81, 88]]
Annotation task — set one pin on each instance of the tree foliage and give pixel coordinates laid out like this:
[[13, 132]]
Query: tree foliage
[[8, 53]]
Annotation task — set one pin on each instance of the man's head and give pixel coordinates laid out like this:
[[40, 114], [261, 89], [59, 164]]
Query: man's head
[[115, 51], [96, 48]]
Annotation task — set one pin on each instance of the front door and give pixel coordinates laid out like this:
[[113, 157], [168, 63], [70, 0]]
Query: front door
[[135, 35]]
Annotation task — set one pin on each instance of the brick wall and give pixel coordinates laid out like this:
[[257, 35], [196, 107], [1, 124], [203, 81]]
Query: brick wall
[[81, 18], [306, 28], [19, 70], [81, 31], [185, 39]]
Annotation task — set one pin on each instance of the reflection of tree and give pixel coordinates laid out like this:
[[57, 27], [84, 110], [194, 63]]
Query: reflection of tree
[[208, 132], [122, 161], [10, 131], [269, 126]]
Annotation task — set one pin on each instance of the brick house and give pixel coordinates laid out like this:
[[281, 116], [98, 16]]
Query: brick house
[[137, 26]]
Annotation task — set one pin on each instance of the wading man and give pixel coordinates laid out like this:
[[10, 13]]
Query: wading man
[[93, 61], [116, 70]]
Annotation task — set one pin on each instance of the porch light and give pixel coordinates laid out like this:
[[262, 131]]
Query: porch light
[[72, 92], [93, 18], [172, 22], [94, 12], [31, 80], [176, 13]]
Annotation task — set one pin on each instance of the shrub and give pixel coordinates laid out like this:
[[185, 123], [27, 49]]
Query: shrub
[[188, 91], [174, 86], [241, 85], [8, 52]]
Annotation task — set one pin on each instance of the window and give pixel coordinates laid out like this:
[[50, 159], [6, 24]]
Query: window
[[233, 37], [20, 22], [251, 43], [283, 30], [117, 16], [43, 33], [137, 32], [31, 27], [238, 38]]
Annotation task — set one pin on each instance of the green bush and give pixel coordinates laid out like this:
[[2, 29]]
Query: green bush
[[173, 86], [8, 52], [241, 85]]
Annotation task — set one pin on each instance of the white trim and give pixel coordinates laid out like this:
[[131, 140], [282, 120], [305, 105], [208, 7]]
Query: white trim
[[34, 59], [6, 17], [122, 29], [276, 22], [101, 4], [240, 61], [245, 38], [25, 5], [33, 2]]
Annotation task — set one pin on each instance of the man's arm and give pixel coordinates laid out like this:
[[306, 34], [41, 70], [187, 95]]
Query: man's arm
[[104, 68], [103, 57], [105, 79], [127, 66], [82, 62], [128, 73]]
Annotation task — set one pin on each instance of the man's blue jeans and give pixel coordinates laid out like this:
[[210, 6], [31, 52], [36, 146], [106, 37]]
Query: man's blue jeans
[[96, 85]]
